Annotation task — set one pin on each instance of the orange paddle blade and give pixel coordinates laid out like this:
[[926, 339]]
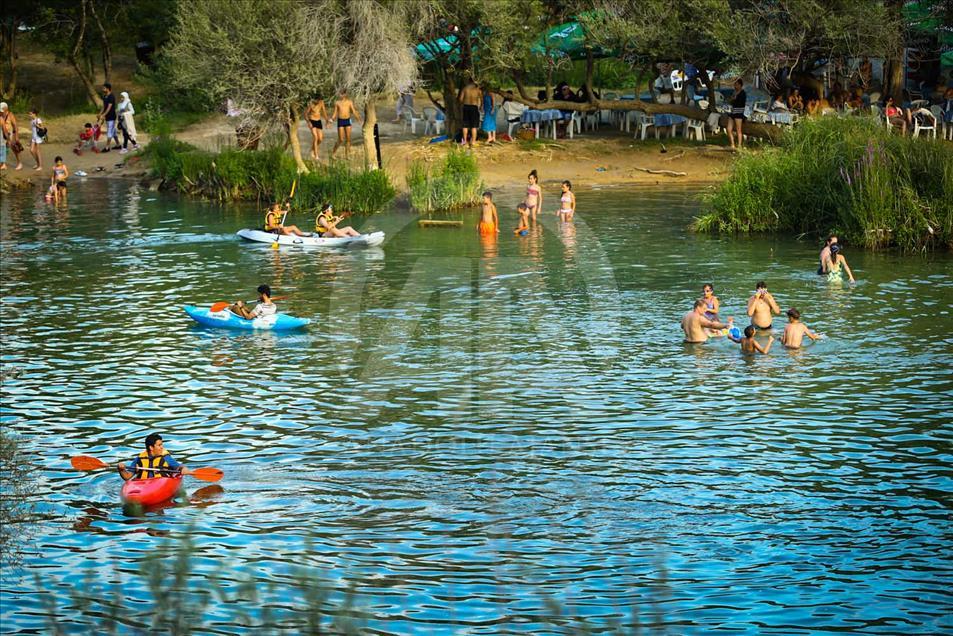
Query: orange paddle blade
[[219, 306], [207, 474], [85, 462]]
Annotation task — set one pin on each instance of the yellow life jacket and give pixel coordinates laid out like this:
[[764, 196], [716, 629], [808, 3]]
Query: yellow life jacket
[[149, 461], [272, 220], [328, 218]]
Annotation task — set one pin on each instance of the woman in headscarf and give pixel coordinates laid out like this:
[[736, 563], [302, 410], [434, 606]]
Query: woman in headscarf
[[126, 123]]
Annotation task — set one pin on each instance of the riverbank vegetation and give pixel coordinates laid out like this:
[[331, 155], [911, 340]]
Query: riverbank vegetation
[[449, 183], [849, 176], [17, 503], [266, 175]]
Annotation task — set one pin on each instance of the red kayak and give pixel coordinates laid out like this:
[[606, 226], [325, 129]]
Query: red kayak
[[150, 491]]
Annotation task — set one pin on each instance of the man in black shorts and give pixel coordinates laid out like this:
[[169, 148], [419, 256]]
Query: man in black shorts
[[470, 97]]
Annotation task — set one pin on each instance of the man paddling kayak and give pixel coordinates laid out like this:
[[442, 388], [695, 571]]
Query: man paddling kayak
[[264, 307], [155, 456], [274, 221]]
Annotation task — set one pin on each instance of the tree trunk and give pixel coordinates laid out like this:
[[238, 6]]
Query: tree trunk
[[74, 59], [454, 110], [894, 77], [292, 126], [371, 158], [104, 38], [590, 64], [8, 38]]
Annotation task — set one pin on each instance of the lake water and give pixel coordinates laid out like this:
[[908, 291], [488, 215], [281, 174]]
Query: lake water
[[475, 436]]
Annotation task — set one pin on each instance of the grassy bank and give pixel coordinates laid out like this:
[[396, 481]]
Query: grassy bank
[[266, 175], [848, 176], [449, 183]]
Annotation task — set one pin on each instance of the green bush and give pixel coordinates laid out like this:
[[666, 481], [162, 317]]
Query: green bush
[[850, 176], [450, 183], [267, 175]]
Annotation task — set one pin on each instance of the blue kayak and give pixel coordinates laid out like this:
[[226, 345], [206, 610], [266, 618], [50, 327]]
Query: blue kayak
[[227, 320]]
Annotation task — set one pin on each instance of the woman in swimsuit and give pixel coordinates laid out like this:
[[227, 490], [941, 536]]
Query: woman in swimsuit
[[534, 194], [58, 179], [315, 115], [836, 265], [567, 202], [712, 304]]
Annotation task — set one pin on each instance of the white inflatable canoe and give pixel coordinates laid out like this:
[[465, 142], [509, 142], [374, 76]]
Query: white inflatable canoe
[[260, 236]]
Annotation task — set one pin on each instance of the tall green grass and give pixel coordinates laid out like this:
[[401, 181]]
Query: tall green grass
[[266, 174], [452, 182], [848, 176]]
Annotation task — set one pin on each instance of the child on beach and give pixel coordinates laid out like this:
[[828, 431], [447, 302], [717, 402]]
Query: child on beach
[[87, 139], [58, 179], [795, 331], [523, 228], [567, 202], [489, 223], [534, 194], [749, 344]]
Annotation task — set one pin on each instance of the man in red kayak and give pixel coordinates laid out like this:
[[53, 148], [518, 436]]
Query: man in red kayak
[[155, 456]]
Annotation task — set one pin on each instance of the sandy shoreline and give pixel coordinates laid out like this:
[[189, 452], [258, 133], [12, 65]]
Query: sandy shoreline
[[603, 158]]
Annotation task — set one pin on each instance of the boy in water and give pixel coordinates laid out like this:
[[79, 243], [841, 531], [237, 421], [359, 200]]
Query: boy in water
[[523, 226], [489, 223], [749, 344], [344, 109], [795, 331]]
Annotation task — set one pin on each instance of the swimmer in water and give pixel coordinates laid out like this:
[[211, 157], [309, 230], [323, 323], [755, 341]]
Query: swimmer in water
[[749, 344], [523, 226], [795, 331]]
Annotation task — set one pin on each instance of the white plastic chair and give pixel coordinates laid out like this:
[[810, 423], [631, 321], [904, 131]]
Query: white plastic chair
[[917, 126], [696, 126], [946, 129], [432, 124], [512, 111], [874, 97], [410, 117], [644, 123], [880, 115], [575, 123]]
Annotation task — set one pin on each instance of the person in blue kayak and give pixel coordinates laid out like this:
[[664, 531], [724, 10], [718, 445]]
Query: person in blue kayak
[[155, 456], [264, 307]]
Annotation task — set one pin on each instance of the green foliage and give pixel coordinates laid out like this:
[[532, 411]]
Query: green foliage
[[266, 174], [845, 175], [17, 502], [451, 183]]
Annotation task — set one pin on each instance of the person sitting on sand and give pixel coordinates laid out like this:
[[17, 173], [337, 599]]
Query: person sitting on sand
[[567, 202], [326, 224], [836, 265], [273, 221], [749, 344], [489, 224], [264, 307], [87, 140], [761, 306], [523, 228], [695, 325], [795, 331]]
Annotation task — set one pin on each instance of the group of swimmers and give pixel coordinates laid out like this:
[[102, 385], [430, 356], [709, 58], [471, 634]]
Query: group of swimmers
[[702, 322], [325, 224], [532, 204]]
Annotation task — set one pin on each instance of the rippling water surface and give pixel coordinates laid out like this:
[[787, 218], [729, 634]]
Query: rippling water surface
[[471, 428]]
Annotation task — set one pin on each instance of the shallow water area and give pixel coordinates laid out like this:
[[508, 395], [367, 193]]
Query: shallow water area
[[471, 427]]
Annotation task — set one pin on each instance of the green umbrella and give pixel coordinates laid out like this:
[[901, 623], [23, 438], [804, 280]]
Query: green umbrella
[[566, 40]]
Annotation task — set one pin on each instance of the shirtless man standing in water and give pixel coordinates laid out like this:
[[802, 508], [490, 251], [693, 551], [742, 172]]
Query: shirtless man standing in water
[[761, 307], [470, 96], [344, 109], [694, 324]]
